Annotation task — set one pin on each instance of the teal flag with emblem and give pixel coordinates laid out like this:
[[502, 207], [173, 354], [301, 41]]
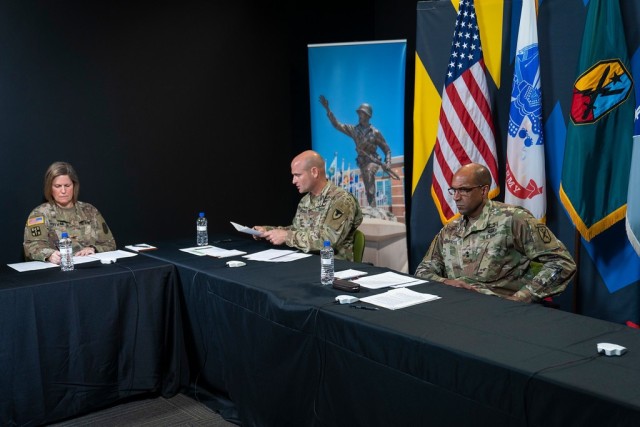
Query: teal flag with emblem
[[595, 171]]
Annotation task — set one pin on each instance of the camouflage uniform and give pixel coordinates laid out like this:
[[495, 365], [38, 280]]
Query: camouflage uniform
[[505, 252], [84, 224], [367, 140], [333, 215]]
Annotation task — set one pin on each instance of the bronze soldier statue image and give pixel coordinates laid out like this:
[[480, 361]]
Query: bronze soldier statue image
[[367, 139]]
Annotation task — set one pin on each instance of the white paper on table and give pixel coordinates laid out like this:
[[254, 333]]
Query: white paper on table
[[387, 279], [276, 255], [245, 229], [140, 247], [399, 298], [197, 250], [32, 265], [40, 265], [349, 274], [222, 253]]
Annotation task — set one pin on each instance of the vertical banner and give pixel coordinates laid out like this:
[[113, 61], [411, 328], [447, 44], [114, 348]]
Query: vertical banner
[[633, 194], [357, 120], [597, 158], [525, 173]]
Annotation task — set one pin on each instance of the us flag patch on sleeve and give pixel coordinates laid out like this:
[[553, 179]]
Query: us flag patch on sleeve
[[36, 220]]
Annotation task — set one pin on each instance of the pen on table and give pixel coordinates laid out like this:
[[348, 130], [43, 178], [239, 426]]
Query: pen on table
[[362, 307]]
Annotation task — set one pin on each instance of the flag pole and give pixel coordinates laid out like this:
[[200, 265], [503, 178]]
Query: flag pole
[[576, 257]]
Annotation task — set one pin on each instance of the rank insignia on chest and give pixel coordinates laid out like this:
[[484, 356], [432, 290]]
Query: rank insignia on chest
[[35, 231]]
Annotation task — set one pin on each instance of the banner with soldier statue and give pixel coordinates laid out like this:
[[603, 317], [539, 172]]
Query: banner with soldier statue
[[357, 120]]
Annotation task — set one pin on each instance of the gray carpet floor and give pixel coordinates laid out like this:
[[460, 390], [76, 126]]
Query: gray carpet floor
[[180, 410]]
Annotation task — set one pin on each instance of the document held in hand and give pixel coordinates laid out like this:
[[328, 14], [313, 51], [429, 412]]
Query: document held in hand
[[244, 229]]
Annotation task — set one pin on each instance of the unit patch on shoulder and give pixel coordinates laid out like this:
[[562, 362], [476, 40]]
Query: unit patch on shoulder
[[337, 214], [543, 232], [35, 231]]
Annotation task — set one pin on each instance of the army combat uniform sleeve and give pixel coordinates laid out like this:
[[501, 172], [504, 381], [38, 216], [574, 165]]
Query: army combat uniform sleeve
[[336, 223], [551, 267], [432, 266], [39, 239]]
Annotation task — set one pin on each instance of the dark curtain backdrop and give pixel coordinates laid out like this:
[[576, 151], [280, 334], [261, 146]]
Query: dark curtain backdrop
[[166, 108]]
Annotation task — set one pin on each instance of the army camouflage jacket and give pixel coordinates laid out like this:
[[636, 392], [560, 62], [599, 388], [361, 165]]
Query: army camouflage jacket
[[506, 252], [333, 215], [84, 224]]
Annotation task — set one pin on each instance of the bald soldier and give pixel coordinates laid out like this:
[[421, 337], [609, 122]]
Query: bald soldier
[[326, 212], [494, 248]]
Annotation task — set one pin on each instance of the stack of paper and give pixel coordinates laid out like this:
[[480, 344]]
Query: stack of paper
[[140, 247], [399, 298], [276, 255], [212, 251], [388, 280]]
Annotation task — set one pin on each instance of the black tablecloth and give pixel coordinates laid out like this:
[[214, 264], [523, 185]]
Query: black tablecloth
[[269, 338], [73, 342]]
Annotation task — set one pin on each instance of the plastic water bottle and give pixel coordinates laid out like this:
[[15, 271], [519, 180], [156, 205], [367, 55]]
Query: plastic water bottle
[[66, 252], [202, 236], [326, 264]]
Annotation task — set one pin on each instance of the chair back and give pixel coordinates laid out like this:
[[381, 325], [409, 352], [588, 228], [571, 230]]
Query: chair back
[[358, 246]]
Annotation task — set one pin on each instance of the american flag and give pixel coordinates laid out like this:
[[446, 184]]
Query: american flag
[[465, 129]]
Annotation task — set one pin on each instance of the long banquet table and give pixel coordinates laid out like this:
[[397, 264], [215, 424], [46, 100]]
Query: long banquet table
[[269, 343], [74, 342]]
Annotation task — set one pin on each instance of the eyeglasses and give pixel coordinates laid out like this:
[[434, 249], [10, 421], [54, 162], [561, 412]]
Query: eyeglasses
[[463, 191]]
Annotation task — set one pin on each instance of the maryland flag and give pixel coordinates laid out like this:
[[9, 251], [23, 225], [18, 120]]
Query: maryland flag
[[595, 172]]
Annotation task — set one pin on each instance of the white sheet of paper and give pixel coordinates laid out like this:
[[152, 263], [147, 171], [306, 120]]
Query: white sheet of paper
[[399, 298], [276, 255], [245, 229], [32, 265], [40, 265], [140, 247], [387, 279], [349, 274]]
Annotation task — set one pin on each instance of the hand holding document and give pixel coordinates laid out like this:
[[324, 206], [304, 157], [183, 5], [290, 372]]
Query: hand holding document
[[245, 229]]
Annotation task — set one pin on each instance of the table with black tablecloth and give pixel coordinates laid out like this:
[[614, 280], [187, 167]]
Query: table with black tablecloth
[[73, 342], [268, 341]]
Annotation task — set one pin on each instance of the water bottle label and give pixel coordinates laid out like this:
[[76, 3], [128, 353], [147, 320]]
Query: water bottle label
[[327, 261], [202, 228]]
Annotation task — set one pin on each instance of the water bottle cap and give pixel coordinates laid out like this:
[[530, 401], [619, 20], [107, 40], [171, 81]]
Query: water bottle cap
[[65, 235], [327, 243], [201, 214]]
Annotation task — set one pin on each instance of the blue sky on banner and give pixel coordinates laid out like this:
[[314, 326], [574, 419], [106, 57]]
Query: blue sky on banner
[[348, 74], [611, 252]]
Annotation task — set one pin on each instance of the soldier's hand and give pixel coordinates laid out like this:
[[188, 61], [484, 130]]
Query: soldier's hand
[[276, 236], [260, 229], [85, 251], [55, 258], [457, 283]]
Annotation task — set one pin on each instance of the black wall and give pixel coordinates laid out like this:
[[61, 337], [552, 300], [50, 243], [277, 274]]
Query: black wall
[[167, 108]]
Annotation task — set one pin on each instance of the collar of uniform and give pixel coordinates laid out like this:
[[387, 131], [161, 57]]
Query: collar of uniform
[[483, 219], [323, 194]]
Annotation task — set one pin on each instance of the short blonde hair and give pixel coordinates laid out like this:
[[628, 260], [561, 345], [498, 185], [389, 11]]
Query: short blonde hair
[[58, 169]]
